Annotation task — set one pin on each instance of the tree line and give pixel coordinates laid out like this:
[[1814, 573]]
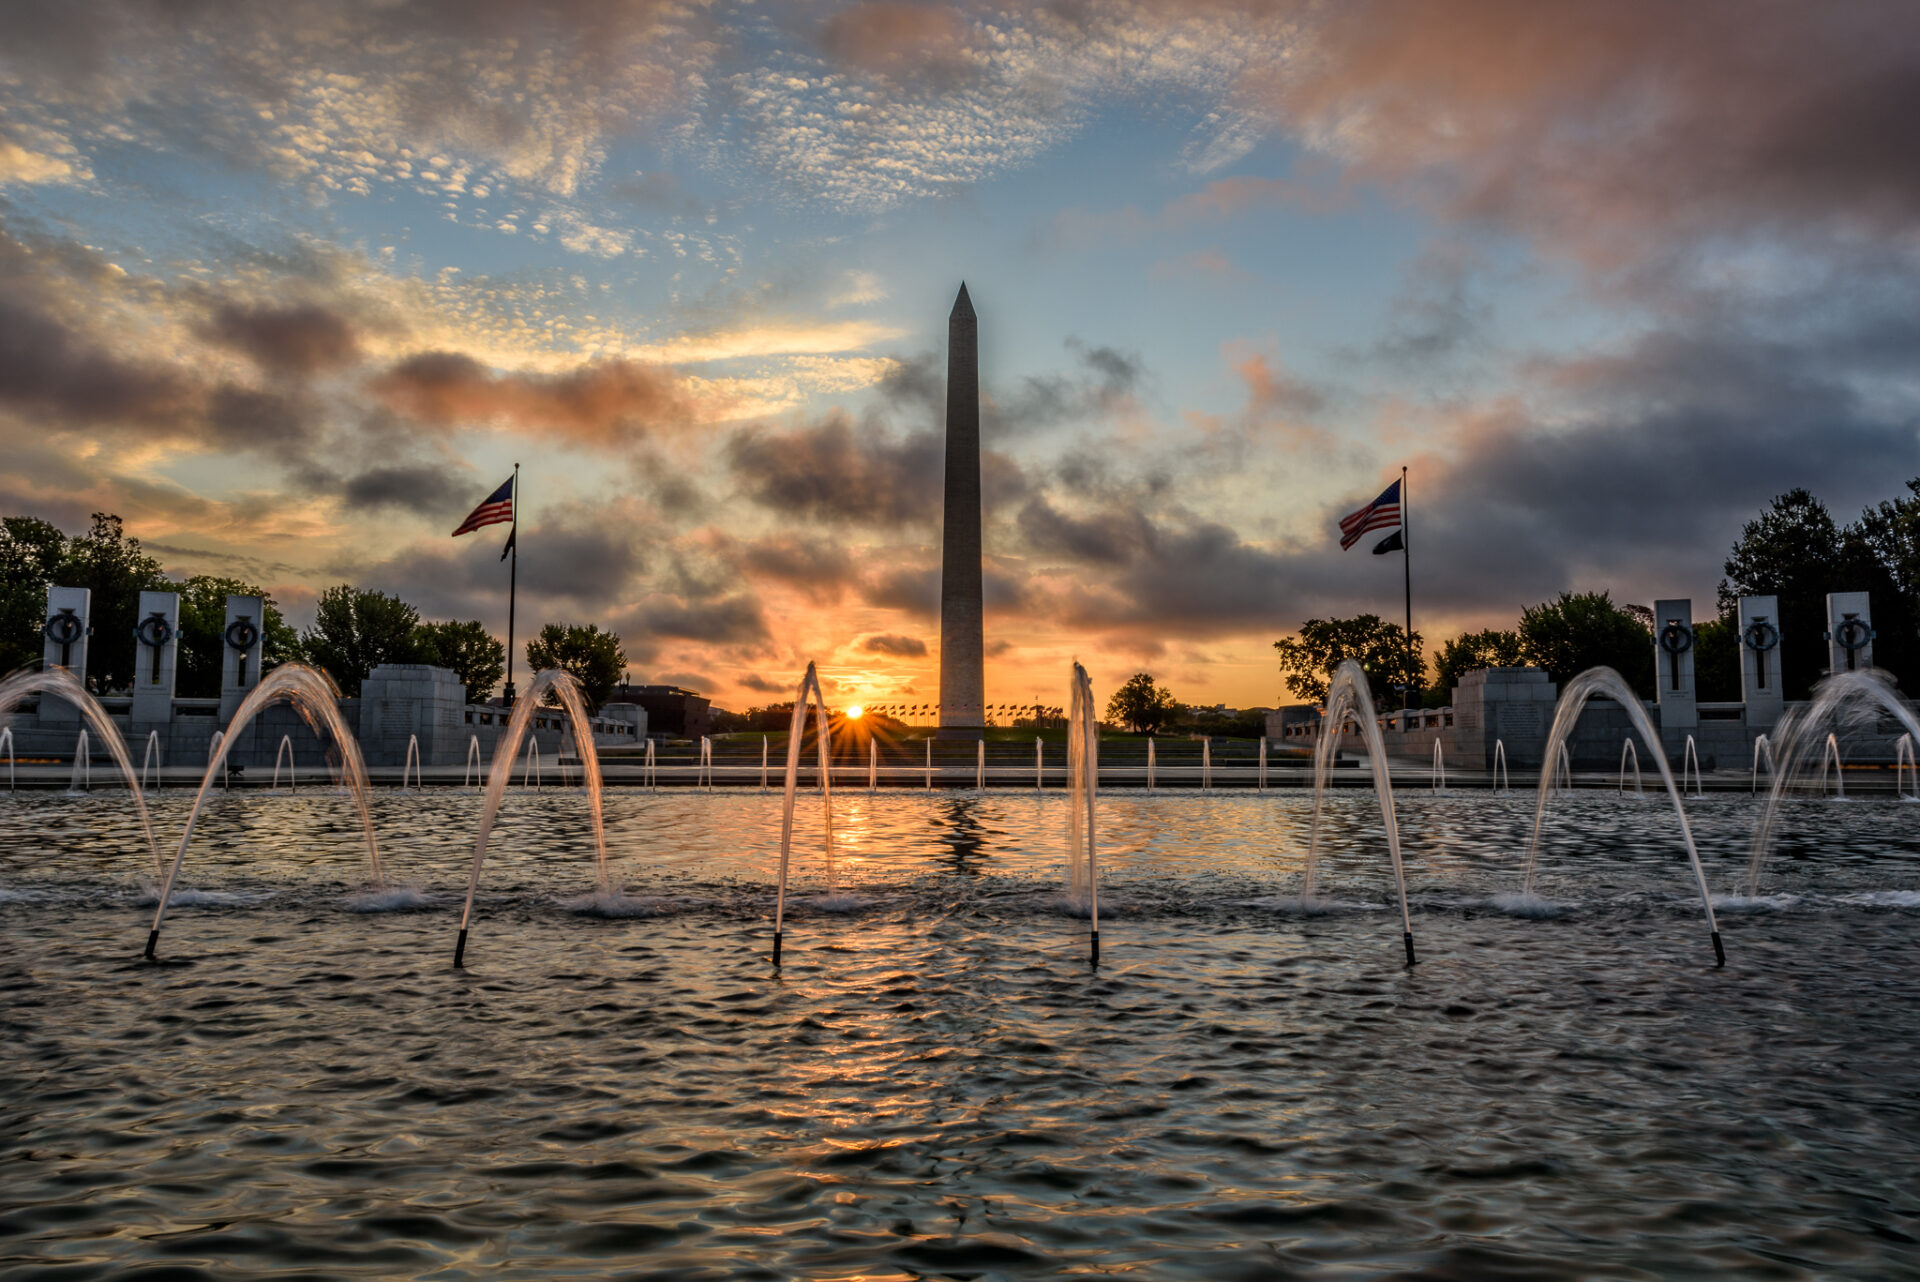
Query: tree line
[[1794, 550], [354, 629]]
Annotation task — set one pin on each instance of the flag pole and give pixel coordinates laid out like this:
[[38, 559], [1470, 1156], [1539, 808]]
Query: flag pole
[[1406, 562], [513, 581]]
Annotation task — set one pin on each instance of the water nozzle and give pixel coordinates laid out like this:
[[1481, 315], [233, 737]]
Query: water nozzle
[[460, 950], [776, 948], [1093, 949], [1407, 938], [1719, 952], [153, 942]]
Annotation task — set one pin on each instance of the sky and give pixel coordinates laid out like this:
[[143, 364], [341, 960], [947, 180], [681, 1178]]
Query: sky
[[292, 287]]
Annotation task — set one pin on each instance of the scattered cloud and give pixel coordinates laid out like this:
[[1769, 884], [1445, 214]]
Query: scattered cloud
[[895, 644]]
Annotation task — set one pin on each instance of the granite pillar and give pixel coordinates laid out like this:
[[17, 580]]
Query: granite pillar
[[1849, 631]]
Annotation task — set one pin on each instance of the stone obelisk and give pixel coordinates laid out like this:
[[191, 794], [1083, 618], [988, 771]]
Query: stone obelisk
[[963, 684]]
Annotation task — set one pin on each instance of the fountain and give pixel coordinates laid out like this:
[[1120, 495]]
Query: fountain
[[1206, 764], [651, 777], [1083, 782], [1692, 758], [61, 684], [1150, 764], [873, 767], [1564, 770], [1844, 701], [929, 763], [412, 762], [763, 761], [704, 775], [213, 755], [1501, 784], [1348, 698], [1039, 765], [1629, 752], [1439, 773], [531, 764], [1606, 683], [1761, 746], [1903, 756], [824, 741], [474, 764], [285, 750], [152, 755], [82, 778], [1262, 780], [317, 700], [1840, 778], [564, 686]]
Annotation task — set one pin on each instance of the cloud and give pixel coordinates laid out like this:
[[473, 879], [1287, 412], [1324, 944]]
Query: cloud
[[820, 567], [498, 94], [895, 644], [425, 489], [608, 403], [1214, 202], [730, 621], [1620, 131], [769, 339], [829, 471], [301, 339]]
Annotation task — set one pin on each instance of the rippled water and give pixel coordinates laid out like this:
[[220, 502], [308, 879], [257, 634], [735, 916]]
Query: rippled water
[[935, 1084]]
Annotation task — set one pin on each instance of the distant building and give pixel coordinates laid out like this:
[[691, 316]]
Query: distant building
[[672, 713]]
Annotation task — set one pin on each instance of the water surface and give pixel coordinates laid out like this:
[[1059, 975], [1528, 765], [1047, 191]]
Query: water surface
[[935, 1084]]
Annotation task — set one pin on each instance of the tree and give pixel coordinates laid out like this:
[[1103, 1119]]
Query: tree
[[203, 640], [1141, 706], [30, 552], [1585, 630], [592, 656], [1891, 533], [1489, 648], [1795, 551], [355, 630], [1382, 648], [1716, 660], [116, 570], [469, 650]]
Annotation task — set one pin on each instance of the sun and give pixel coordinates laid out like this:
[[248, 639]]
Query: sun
[[855, 712]]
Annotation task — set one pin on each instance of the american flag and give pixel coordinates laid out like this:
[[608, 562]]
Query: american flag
[[1377, 515], [497, 509]]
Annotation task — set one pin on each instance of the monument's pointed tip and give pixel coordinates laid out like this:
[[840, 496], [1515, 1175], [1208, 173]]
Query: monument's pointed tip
[[962, 305]]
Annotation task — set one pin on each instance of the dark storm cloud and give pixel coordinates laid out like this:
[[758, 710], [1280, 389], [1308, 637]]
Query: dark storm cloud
[[915, 591], [298, 340], [734, 620], [427, 489], [68, 380], [1112, 537], [864, 474], [754, 681], [820, 568], [832, 471], [895, 644]]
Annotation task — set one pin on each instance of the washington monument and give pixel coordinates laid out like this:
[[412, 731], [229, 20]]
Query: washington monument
[[963, 683]]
